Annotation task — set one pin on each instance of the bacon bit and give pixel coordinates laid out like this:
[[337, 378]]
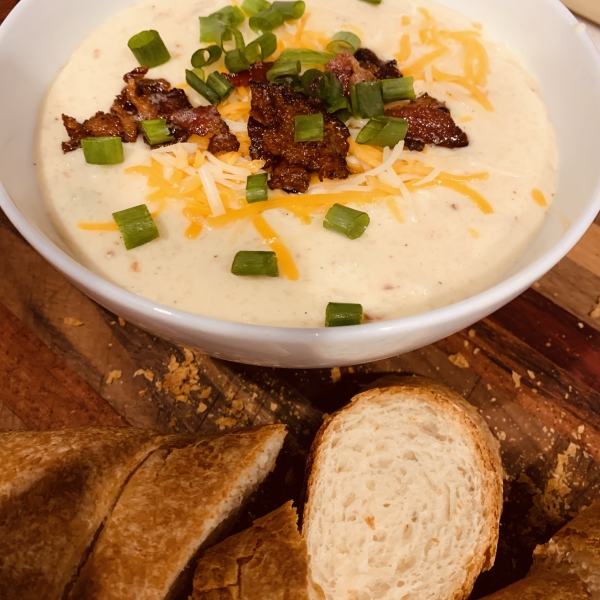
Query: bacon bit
[[135, 267]]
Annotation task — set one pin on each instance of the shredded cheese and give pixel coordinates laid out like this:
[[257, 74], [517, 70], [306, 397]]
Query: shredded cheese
[[284, 257], [539, 197]]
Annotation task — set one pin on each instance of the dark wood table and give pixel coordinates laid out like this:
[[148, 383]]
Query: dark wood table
[[532, 369]]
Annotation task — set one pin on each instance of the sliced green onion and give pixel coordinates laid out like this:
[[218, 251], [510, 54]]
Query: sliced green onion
[[266, 20], [339, 314], [283, 68], [253, 52], [383, 131], [202, 88], [157, 132], [292, 81], [329, 89], [306, 57], [102, 150], [236, 61], [219, 84], [237, 36], [256, 188], [199, 73], [308, 78], [369, 101], [199, 58], [290, 10], [398, 89], [149, 49], [253, 7], [373, 1], [214, 29], [232, 15], [136, 226], [354, 107], [248, 262], [308, 128], [340, 103], [343, 115], [344, 41], [342, 219], [268, 44]]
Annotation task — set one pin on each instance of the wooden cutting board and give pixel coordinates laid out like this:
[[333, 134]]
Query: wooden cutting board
[[532, 369]]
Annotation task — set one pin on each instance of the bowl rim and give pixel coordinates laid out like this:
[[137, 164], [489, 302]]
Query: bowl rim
[[457, 312]]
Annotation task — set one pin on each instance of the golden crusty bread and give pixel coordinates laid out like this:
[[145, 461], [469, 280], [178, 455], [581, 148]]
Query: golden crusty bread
[[544, 586], [404, 496], [56, 488], [575, 549], [267, 561], [169, 509]]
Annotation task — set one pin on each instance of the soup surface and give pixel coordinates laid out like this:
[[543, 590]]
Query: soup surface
[[445, 223]]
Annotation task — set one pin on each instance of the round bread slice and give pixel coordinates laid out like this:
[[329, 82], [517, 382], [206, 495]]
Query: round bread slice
[[404, 496]]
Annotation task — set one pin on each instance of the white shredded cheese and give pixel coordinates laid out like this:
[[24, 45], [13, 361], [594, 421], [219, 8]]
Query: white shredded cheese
[[211, 191]]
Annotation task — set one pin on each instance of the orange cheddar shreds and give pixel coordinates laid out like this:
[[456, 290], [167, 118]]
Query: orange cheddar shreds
[[285, 259], [539, 197]]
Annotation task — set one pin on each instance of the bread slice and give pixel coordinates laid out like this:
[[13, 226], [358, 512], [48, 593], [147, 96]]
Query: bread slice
[[168, 511], [544, 586], [404, 496], [575, 549], [267, 561], [56, 488]]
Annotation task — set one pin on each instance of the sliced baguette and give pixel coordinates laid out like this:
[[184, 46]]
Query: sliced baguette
[[168, 511], [544, 586], [56, 488], [575, 549], [267, 561], [404, 496]]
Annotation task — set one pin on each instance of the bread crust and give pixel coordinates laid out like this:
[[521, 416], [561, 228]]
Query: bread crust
[[56, 489], [266, 561], [544, 586], [476, 430], [167, 511]]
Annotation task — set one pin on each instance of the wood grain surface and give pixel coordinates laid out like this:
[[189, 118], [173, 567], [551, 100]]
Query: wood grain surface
[[532, 369]]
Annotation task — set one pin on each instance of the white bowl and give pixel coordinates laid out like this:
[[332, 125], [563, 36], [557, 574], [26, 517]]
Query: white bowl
[[37, 39]]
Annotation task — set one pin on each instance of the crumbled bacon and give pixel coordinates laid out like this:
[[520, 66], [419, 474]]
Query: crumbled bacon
[[144, 99], [271, 130], [429, 122], [256, 72], [381, 69], [363, 66], [207, 122]]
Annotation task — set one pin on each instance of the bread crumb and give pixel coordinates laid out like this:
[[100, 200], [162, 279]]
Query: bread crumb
[[370, 521], [113, 376], [595, 312], [237, 406], [147, 373], [225, 422], [517, 379], [72, 322], [465, 343], [202, 407], [501, 435], [141, 392], [581, 429], [336, 374], [580, 325], [472, 333], [182, 379], [121, 321], [531, 374], [459, 360], [475, 350], [205, 393], [273, 407]]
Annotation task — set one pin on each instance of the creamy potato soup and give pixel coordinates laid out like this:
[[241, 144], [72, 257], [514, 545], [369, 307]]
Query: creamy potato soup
[[444, 223]]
